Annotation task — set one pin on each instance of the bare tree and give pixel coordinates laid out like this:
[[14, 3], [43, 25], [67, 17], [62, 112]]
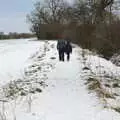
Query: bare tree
[[49, 12], [100, 8]]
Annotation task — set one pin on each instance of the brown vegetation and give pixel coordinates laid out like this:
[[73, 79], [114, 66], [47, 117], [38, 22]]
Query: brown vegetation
[[91, 24]]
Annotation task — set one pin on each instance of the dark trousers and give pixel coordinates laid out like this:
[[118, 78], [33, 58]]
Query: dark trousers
[[68, 56], [61, 55]]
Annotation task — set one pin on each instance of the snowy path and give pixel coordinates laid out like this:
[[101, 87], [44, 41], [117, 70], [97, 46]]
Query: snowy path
[[66, 97]]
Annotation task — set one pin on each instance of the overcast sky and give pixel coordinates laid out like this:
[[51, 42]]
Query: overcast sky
[[13, 15]]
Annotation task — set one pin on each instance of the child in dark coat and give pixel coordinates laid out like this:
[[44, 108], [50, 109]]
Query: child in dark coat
[[68, 49]]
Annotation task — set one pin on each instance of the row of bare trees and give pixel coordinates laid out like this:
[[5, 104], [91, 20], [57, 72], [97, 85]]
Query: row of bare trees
[[48, 12], [95, 21], [15, 35], [59, 11]]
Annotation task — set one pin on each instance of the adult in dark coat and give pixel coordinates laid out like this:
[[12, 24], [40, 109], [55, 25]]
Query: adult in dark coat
[[68, 49], [61, 49]]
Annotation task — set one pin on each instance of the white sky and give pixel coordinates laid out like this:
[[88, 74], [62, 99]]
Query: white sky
[[14, 23], [13, 15]]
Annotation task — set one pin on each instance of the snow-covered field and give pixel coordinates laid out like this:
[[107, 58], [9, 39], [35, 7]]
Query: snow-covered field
[[52, 90], [14, 56]]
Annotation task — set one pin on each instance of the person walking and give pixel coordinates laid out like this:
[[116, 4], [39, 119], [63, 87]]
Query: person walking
[[61, 49], [68, 49]]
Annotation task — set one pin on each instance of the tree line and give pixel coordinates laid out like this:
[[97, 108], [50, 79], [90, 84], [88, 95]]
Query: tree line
[[15, 35], [93, 24]]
